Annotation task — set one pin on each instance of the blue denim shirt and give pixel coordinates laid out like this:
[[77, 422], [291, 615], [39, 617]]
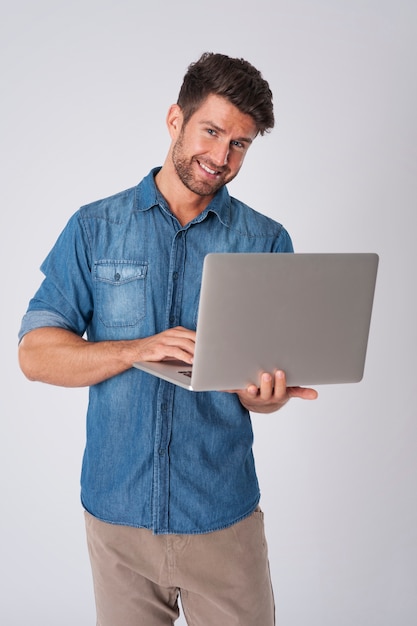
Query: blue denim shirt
[[157, 456]]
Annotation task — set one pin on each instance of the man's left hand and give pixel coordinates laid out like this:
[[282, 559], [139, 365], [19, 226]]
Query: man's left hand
[[273, 393]]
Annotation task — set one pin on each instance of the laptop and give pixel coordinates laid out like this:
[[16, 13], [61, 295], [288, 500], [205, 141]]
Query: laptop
[[308, 314]]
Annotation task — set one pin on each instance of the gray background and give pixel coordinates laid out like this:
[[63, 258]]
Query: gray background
[[85, 90]]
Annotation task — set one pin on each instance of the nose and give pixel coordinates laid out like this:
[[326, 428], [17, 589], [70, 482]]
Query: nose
[[220, 154]]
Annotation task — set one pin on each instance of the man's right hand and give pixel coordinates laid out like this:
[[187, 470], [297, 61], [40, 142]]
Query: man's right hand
[[175, 343]]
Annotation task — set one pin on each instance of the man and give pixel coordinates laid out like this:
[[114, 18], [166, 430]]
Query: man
[[168, 479]]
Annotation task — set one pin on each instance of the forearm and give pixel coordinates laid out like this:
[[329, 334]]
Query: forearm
[[60, 357]]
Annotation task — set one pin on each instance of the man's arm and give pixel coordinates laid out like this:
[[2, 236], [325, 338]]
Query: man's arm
[[60, 357]]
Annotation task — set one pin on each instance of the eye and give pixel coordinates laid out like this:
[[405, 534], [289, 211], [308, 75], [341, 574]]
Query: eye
[[237, 144], [211, 131]]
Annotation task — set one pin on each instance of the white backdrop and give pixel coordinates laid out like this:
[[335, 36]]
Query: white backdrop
[[85, 89]]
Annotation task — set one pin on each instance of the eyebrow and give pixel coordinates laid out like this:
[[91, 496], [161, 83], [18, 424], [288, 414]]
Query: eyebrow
[[219, 129]]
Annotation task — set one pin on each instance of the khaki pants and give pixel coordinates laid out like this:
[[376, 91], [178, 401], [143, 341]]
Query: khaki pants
[[222, 577]]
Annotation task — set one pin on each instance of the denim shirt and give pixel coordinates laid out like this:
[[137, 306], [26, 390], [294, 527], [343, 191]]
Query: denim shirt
[[157, 456]]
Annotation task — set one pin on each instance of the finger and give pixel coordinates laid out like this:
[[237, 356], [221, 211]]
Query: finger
[[267, 386], [305, 393], [252, 391], [280, 386], [167, 346], [180, 350], [180, 331], [175, 354]]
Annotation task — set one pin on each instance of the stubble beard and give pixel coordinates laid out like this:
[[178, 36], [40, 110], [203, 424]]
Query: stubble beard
[[184, 169]]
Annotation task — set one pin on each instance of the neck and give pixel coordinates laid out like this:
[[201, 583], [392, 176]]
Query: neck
[[183, 203]]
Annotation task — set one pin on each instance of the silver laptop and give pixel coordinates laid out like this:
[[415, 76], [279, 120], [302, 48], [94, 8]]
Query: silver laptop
[[307, 314]]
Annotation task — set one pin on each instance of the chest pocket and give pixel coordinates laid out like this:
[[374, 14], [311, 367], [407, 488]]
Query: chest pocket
[[120, 288]]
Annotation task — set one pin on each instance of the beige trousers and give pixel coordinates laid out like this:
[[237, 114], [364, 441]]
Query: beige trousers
[[221, 577]]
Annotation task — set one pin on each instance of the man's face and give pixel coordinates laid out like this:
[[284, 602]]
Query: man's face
[[211, 147]]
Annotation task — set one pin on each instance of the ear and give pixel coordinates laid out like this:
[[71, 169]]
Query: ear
[[174, 120]]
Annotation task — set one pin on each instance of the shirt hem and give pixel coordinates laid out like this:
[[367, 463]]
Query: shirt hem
[[174, 531]]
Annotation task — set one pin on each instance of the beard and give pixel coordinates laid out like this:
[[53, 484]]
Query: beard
[[185, 169]]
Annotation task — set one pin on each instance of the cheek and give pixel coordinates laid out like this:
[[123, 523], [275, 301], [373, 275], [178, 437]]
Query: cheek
[[202, 146], [236, 161]]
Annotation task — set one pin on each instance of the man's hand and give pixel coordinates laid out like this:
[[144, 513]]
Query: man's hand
[[273, 394], [60, 357], [175, 343]]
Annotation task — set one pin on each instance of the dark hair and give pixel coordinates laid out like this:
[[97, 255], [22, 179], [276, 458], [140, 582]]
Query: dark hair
[[234, 79]]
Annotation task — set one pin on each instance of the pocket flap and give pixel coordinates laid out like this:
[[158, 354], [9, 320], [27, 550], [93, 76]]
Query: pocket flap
[[119, 272]]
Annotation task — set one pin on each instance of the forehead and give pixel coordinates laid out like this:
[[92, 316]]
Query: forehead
[[224, 115]]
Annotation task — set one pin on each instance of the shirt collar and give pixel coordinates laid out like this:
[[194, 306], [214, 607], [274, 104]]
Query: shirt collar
[[148, 196]]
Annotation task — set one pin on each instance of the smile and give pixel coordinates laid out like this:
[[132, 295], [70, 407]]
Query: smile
[[208, 169]]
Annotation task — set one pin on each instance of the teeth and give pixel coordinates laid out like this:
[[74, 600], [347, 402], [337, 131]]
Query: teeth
[[207, 169]]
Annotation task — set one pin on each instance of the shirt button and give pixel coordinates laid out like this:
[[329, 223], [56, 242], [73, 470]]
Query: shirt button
[[175, 275], [161, 452], [117, 276]]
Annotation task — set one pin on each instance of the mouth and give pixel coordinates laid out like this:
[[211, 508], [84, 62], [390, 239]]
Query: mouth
[[210, 171]]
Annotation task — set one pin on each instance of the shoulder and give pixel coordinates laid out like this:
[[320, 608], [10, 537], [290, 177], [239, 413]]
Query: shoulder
[[246, 215], [251, 223], [114, 208], [119, 207]]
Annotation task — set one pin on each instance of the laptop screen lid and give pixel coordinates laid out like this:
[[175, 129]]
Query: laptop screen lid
[[305, 313]]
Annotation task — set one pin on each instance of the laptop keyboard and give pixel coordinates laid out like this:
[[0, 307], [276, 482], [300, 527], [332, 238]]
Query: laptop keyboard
[[185, 373]]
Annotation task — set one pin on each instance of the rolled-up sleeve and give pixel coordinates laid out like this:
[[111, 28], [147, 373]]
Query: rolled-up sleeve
[[41, 319], [64, 298]]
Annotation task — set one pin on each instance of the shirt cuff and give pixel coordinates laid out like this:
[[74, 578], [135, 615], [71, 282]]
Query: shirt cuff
[[41, 319]]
